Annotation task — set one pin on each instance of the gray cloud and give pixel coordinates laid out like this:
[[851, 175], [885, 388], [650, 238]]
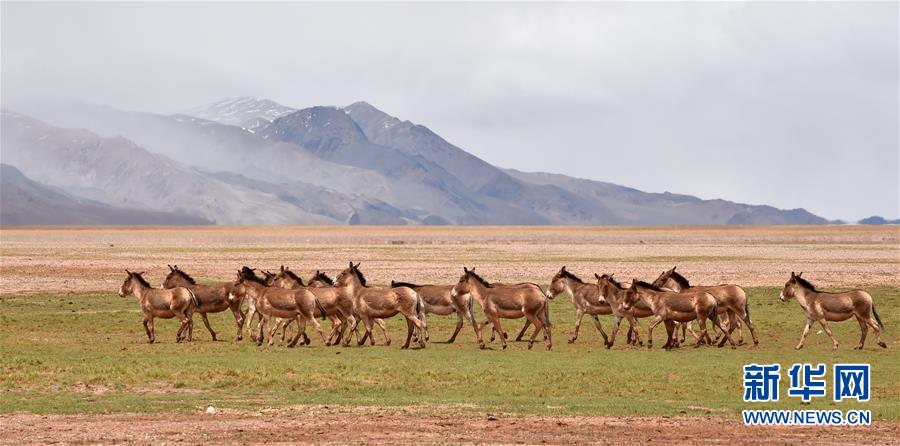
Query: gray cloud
[[789, 104]]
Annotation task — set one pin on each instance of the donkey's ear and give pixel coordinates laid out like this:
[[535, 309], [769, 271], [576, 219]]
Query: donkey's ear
[[800, 274], [282, 268], [673, 268], [597, 276], [128, 272], [170, 267], [357, 264], [465, 270], [792, 274], [563, 268]]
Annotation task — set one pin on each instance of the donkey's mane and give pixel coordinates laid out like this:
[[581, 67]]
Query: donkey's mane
[[406, 284], [479, 279], [680, 279], [248, 274], [565, 273], [292, 276], [141, 280], [359, 275], [185, 276], [613, 281], [642, 284], [323, 277], [805, 284]]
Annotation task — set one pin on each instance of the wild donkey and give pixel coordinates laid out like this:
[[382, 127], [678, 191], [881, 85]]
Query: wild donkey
[[371, 303], [670, 306], [299, 305], [162, 303], [212, 298], [338, 308], [508, 302], [586, 299], [731, 299], [823, 306], [614, 293], [438, 300]]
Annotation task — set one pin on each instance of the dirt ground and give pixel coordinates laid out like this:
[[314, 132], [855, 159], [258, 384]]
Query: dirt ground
[[92, 259], [300, 428]]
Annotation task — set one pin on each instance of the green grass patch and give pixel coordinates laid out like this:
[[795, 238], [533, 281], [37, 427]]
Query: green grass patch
[[87, 353]]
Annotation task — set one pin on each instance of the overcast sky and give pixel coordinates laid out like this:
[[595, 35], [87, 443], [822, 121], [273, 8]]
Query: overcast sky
[[793, 105]]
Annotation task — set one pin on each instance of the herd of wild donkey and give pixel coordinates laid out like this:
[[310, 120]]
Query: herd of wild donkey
[[347, 300]]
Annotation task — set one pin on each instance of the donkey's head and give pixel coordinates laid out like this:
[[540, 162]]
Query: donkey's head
[[558, 282], [177, 277], [269, 278], [639, 290], [468, 282], [131, 283], [794, 286], [351, 276]]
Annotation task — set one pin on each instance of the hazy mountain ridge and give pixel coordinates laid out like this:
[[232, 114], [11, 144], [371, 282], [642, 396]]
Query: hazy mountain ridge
[[27, 202], [355, 164]]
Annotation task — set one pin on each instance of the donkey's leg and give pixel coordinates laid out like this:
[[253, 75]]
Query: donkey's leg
[[538, 327], [656, 321], [459, 325], [410, 327], [208, 327], [384, 331], [803, 336], [578, 315], [295, 338], [828, 331], [633, 331], [274, 330], [318, 328], [548, 328], [496, 321], [670, 329], [368, 323], [600, 327], [146, 322], [863, 332], [615, 329], [872, 323], [238, 319], [521, 333]]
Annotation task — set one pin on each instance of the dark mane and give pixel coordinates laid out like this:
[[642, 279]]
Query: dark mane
[[323, 277], [141, 280], [565, 273], [185, 276], [248, 274], [680, 279], [480, 280], [613, 281], [642, 284], [290, 274], [406, 284], [359, 275], [805, 284]]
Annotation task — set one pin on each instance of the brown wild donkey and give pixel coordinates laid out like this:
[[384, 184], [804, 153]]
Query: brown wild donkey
[[212, 298], [338, 308], [823, 306], [177, 302], [507, 302], [731, 299], [670, 306], [614, 294], [299, 305], [586, 299], [370, 303], [437, 299]]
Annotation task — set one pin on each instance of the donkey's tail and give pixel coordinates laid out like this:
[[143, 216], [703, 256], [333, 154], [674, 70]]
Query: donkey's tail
[[877, 319], [320, 307], [747, 309], [194, 300], [420, 308], [714, 314]]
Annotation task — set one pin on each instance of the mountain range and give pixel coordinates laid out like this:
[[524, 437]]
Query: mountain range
[[254, 161]]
